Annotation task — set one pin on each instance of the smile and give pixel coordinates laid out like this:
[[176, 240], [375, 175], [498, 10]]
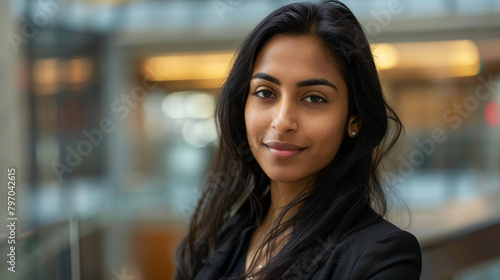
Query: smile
[[283, 150]]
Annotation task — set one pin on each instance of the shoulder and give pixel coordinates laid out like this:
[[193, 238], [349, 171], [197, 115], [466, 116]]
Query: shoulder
[[380, 251]]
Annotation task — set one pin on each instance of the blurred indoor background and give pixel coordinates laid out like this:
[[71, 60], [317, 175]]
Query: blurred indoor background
[[106, 114]]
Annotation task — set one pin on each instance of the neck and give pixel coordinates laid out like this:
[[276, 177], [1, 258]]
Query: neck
[[282, 193]]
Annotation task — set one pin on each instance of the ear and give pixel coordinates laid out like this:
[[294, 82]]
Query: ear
[[354, 126]]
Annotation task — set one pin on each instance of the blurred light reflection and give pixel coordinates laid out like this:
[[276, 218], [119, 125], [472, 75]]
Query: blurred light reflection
[[438, 59], [188, 66]]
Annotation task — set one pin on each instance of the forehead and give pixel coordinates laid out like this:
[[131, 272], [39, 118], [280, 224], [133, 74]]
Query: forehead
[[301, 56]]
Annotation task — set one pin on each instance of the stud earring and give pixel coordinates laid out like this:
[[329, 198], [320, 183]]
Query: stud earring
[[353, 133]]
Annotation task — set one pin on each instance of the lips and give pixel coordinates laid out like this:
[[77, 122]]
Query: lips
[[283, 150]]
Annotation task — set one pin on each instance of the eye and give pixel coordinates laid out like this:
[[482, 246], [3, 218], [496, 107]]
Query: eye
[[314, 99], [265, 94]]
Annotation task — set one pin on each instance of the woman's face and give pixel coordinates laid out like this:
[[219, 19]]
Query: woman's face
[[296, 108]]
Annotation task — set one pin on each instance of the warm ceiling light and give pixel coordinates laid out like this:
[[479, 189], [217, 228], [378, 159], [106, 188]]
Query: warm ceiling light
[[46, 75], [438, 59], [188, 66], [441, 53], [457, 58], [386, 56], [79, 70], [46, 71]]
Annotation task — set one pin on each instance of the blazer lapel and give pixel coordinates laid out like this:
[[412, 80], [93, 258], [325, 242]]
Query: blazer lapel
[[222, 253]]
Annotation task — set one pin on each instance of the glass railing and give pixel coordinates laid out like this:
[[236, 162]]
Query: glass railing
[[486, 271], [55, 251], [469, 254]]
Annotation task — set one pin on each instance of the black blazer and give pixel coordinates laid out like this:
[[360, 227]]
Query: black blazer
[[381, 251]]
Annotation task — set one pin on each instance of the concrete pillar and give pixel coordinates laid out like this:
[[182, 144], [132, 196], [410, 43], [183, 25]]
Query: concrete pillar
[[117, 88], [12, 142]]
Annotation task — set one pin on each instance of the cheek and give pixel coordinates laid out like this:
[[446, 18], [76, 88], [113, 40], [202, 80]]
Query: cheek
[[330, 134], [255, 117], [249, 121], [252, 121]]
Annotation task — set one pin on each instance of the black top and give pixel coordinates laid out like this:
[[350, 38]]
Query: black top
[[381, 251], [235, 263]]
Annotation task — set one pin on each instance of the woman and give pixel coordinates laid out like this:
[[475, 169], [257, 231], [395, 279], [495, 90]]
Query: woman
[[295, 190]]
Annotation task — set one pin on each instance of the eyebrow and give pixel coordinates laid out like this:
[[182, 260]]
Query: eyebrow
[[316, 82], [267, 77], [305, 83]]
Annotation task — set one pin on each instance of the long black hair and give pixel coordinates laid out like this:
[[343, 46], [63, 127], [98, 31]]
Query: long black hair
[[331, 205]]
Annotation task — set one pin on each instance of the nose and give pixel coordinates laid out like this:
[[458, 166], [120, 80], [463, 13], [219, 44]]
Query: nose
[[285, 118]]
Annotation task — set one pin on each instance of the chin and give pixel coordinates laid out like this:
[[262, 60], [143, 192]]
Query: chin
[[285, 178], [288, 177]]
